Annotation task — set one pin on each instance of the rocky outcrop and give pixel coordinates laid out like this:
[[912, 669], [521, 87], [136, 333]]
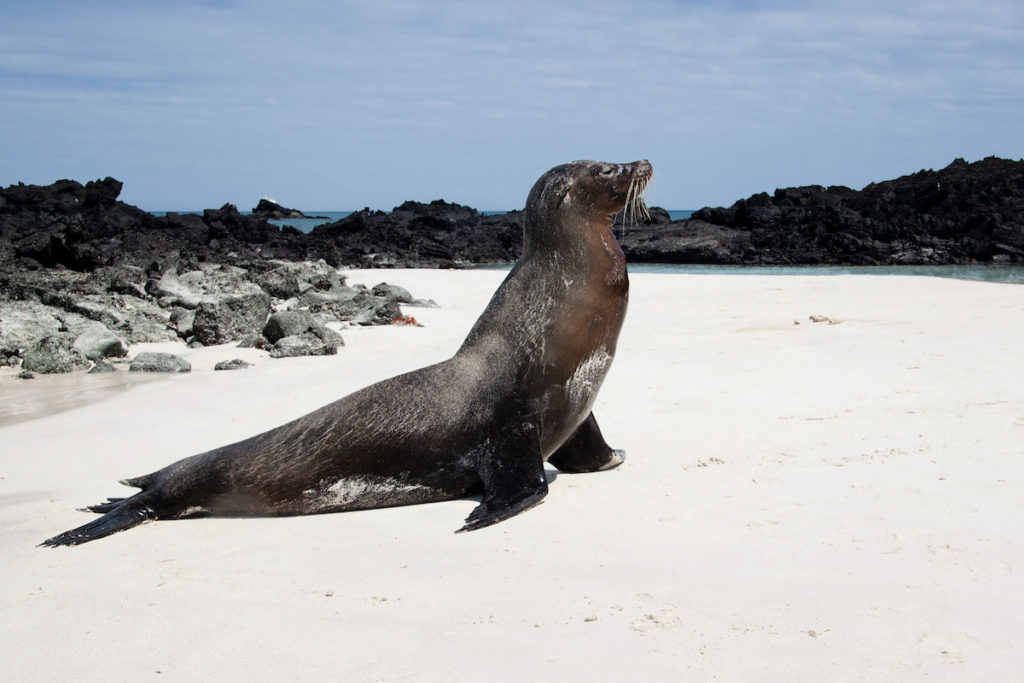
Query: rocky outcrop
[[964, 213], [438, 234], [98, 315], [85, 228]]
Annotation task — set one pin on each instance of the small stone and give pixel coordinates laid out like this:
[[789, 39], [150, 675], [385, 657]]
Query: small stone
[[149, 361], [233, 364], [101, 368]]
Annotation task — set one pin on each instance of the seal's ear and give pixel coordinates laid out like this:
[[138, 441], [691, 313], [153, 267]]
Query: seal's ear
[[564, 191], [557, 189], [563, 188]]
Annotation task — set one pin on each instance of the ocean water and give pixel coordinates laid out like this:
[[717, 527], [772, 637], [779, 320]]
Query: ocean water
[[1010, 273], [307, 224]]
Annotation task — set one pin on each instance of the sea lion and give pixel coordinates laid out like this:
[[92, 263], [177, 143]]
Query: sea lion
[[518, 392]]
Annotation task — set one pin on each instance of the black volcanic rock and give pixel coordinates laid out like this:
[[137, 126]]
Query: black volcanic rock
[[438, 234], [68, 225], [964, 213], [269, 209]]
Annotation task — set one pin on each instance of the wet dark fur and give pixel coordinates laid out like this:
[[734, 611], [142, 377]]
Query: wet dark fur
[[518, 392]]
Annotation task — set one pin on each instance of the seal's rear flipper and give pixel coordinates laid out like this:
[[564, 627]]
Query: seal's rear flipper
[[124, 515], [512, 471], [111, 505], [586, 451]]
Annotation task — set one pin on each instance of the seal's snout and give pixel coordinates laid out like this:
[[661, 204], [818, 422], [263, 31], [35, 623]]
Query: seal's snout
[[642, 170]]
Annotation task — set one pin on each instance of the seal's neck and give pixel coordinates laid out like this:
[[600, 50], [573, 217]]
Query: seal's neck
[[580, 233]]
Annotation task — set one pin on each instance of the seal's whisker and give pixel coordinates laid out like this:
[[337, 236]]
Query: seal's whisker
[[639, 206], [626, 209], [637, 209], [633, 195]]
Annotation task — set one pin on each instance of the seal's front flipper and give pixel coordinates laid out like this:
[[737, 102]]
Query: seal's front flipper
[[512, 471], [586, 451]]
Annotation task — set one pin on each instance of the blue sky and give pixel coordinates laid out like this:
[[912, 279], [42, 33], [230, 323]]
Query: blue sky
[[340, 105]]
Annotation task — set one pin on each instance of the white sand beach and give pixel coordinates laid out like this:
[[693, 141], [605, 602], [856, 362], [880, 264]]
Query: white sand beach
[[800, 502]]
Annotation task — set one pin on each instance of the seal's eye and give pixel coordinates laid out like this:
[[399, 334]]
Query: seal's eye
[[607, 172]]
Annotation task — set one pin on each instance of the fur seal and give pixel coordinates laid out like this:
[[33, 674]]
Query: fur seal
[[518, 392]]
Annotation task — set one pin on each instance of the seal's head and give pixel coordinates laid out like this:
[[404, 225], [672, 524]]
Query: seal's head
[[585, 191]]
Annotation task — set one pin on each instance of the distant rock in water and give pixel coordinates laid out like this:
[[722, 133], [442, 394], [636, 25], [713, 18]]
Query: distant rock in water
[[270, 209]]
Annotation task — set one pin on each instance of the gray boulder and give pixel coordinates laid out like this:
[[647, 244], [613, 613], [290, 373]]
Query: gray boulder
[[183, 320], [96, 342], [306, 344], [338, 305], [102, 368], [129, 280], [287, 324], [233, 364], [24, 323], [399, 294], [231, 318], [327, 335], [290, 280], [297, 323], [151, 361], [209, 282], [255, 341], [170, 291], [375, 310], [53, 354]]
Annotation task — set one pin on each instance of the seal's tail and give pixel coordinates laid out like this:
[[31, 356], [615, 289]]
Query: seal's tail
[[121, 514]]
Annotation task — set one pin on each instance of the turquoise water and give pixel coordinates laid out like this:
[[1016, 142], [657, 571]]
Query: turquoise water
[[987, 273], [307, 224]]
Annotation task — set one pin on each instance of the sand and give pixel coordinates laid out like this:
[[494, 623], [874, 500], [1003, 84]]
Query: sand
[[805, 501]]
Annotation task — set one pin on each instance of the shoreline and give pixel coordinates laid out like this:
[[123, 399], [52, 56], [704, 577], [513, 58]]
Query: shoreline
[[795, 497]]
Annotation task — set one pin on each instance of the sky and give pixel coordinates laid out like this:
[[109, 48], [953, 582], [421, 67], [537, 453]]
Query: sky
[[337, 105]]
